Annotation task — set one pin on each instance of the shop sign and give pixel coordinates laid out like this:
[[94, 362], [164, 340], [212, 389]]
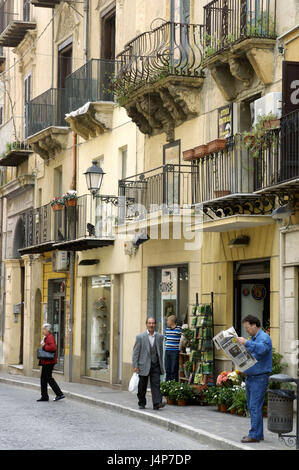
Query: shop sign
[[100, 281], [290, 87], [225, 122], [168, 285]]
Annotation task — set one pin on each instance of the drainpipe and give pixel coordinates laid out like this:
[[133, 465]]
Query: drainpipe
[[86, 29], [72, 267]]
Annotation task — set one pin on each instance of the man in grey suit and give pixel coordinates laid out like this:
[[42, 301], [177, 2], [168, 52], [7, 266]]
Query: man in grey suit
[[148, 363]]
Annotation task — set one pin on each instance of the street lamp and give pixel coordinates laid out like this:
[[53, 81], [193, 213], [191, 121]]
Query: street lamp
[[94, 178]]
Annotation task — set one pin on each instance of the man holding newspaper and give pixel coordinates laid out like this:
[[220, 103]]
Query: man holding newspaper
[[254, 358], [257, 376]]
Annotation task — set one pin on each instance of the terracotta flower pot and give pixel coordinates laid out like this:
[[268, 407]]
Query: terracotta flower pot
[[71, 203], [201, 151], [240, 413], [188, 155], [57, 207], [221, 193], [216, 145], [232, 411], [249, 140], [267, 124], [170, 401], [275, 123], [182, 402], [223, 408]]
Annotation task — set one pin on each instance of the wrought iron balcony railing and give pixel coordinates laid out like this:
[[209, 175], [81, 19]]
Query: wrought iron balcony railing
[[169, 188], [89, 223], [46, 110], [230, 21], [278, 161], [38, 227], [91, 82], [173, 49]]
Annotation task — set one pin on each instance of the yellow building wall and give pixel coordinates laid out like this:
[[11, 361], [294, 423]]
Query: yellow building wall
[[218, 277]]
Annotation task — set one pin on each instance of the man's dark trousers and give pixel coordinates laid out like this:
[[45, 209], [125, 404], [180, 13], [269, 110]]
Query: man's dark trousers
[[172, 365], [154, 377]]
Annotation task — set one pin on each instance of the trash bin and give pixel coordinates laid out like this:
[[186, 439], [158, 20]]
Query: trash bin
[[280, 411]]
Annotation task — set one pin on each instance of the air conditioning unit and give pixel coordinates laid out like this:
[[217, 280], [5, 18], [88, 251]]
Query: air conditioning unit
[[60, 262], [270, 103]]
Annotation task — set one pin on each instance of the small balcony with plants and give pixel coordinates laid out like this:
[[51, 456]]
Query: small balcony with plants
[[276, 150], [15, 22], [90, 99], [84, 222], [45, 126], [15, 154], [239, 41], [71, 223], [159, 77]]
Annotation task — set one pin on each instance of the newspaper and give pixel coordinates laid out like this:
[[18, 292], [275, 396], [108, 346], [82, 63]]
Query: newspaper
[[226, 340]]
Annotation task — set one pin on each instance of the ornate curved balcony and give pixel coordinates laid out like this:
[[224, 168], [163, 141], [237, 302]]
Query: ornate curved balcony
[[159, 77], [239, 41]]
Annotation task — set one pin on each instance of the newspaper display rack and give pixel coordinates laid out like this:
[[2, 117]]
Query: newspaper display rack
[[201, 359]]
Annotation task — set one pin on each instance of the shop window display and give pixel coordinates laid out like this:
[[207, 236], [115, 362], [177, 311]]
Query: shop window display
[[98, 327]]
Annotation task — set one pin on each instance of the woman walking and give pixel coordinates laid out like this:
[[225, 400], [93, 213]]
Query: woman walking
[[49, 344]]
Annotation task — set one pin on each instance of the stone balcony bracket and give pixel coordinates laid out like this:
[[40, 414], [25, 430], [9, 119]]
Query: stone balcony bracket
[[235, 69], [164, 105], [49, 142], [92, 119]]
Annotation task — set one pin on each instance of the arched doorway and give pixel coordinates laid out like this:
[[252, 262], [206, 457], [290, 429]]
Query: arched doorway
[[37, 325], [19, 238]]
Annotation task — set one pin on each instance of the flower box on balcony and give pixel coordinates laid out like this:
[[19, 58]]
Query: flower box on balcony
[[71, 203], [221, 193], [216, 145], [271, 124], [201, 151], [57, 207], [188, 155]]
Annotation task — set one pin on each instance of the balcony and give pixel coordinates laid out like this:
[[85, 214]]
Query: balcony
[[278, 162], [89, 98], [157, 196], [45, 124], [239, 41], [87, 225], [14, 26], [39, 236], [15, 154], [220, 185], [159, 77]]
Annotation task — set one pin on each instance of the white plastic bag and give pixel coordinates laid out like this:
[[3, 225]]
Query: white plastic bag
[[133, 385]]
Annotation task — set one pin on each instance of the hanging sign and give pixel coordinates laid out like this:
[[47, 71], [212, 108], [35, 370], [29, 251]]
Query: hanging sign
[[225, 122]]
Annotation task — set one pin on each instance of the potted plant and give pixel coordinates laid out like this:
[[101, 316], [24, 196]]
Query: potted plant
[[70, 198], [239, 402], [183, 393], [165, 388], [57, 203], [188, 155], [216, 145], [260, 137], [200, 151], [189, 336]]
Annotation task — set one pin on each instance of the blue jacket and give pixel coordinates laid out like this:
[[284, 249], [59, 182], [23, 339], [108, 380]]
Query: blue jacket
[[260, 346]]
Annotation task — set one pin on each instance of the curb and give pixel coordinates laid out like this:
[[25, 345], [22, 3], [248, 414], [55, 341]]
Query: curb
[[173, 426]]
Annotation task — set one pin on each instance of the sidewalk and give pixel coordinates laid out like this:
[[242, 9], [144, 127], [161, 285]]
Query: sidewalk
[[206, 424]]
